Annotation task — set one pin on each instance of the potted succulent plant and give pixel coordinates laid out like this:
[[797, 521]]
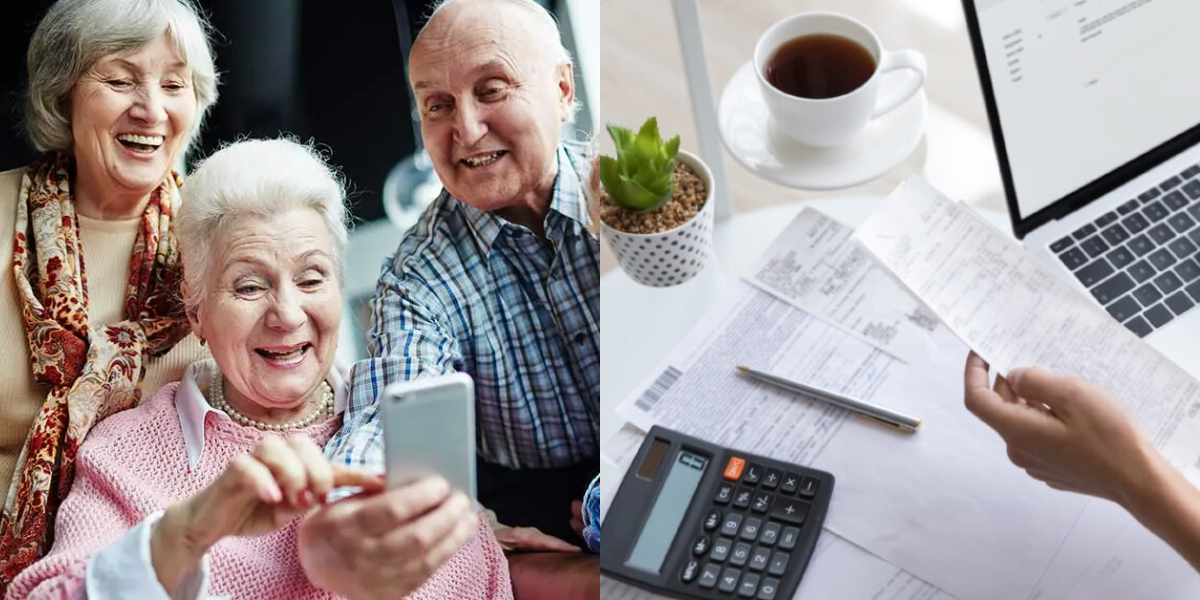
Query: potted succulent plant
[[655, 206]]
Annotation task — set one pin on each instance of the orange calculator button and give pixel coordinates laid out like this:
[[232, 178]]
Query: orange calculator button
[[733, 471]]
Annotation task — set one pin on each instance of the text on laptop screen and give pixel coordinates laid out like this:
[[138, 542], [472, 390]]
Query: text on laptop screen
[[1084, 86]]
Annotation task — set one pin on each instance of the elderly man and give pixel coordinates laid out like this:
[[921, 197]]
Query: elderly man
[[500, 277]]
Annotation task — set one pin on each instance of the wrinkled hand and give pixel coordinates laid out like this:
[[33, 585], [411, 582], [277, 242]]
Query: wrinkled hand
[[385, 544], [530, 539], [264, 490], [1061, 430]]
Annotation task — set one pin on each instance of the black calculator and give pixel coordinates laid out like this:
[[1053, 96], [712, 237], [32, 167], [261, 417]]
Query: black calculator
[[699, 521]]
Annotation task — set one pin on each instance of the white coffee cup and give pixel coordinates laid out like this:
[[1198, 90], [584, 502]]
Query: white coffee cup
[[834, 121]]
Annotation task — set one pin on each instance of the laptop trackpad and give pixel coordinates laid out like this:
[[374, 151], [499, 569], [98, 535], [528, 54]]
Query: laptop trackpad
[[1180, 341]]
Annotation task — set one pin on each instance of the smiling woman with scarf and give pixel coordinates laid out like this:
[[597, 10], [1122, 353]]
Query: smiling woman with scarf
[[88, 295]]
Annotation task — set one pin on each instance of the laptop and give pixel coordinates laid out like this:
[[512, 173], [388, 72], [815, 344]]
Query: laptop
[[1095, 114]]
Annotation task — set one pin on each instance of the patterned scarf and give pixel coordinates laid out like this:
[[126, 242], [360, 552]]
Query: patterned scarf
[[92, 372]]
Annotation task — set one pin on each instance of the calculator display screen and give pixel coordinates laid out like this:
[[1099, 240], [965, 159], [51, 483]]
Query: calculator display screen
[[667, 513]]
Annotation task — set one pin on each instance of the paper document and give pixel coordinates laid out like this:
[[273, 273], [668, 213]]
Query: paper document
[[838, 568], [919, 501], [1110, 555], [622, 447], [1014, 312], [814, 266]]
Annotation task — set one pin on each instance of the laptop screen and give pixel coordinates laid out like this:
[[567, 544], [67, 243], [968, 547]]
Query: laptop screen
[[1082, 87]]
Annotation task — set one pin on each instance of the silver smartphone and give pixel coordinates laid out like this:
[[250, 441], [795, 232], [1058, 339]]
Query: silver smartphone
[[429, 428]]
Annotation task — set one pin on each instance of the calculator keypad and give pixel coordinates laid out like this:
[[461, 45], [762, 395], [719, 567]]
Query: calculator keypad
[[771, 478], [741, 498], [762, 501], [753, 474], [770, 533], [779, 562], [791, 481], [768, 589], [741, 554], [729, 580], [764, 512], [789, 537], [749, 585], [720, 550], [808, 487], [750, 529], [690, 570], [724, 493], [790, 510], [760, 558], [713, 520], [732, 522]]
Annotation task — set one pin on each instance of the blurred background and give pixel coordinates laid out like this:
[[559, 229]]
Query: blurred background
[[321, 71], [642, 74]]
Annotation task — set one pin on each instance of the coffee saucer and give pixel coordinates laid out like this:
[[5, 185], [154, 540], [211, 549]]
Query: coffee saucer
[[748, 133]]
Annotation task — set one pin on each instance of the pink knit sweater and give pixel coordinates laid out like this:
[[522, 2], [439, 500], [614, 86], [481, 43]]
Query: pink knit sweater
[[134, 464]]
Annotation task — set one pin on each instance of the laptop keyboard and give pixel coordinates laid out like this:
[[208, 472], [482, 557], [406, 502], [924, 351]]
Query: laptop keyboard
[[1140, 260]]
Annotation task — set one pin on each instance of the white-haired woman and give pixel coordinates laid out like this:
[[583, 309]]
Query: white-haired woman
[[117, 91], [198, 491]]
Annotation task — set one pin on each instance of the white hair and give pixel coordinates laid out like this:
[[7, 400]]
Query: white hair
[[74, 34], [255, 178], [546, 29]]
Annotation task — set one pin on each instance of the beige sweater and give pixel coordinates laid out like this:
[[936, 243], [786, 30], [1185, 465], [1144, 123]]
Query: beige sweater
[[106, 249]]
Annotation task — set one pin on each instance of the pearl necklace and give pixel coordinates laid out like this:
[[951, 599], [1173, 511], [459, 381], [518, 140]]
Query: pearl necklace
[[217, 396]]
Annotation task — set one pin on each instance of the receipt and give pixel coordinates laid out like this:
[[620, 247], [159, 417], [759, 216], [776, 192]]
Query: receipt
[[1015, 312], [815, 266]]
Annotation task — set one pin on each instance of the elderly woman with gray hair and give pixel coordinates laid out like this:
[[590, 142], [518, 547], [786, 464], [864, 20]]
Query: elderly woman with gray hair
[[117, 91], [197, 492]]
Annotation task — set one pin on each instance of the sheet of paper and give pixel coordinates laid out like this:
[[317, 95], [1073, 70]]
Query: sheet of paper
[[838, 568], [1110, 555], [622, 446], [920, 501], [1015, 312], [813, 266]]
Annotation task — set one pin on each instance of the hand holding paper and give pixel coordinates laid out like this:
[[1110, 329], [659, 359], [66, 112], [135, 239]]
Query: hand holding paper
[[1016, 313], [1064, 431], [1075, 437]]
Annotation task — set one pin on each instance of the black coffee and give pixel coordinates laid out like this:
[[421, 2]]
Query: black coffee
[[820, 66]]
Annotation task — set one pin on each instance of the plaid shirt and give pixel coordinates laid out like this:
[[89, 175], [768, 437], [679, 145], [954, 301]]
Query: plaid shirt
[[469, 291]]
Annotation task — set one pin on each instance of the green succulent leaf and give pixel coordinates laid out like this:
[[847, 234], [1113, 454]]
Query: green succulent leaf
[[642, 176]]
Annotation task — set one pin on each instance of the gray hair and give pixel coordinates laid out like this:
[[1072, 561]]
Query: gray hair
[[547, 29], [74, 34], [255, 178]]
